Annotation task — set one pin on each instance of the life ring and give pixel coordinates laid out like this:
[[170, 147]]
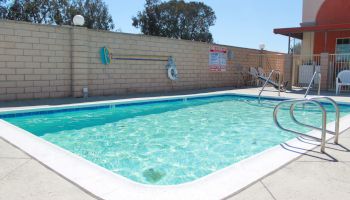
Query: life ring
[[172, 73], [171, 68]]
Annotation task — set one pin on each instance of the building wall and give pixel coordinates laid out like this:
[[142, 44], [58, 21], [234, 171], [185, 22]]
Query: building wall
[[41, 61], [307, 46], [310, 10], [321, 46], [331, 12]]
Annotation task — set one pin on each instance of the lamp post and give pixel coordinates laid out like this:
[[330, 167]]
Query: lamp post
[[79, 20], [261, 47]]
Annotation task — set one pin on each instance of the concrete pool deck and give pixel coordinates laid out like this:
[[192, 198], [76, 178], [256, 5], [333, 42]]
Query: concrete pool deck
[[313, 176]]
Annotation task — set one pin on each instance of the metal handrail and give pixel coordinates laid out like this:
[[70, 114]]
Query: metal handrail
[[312, 80], [303, 101], [337, 116], [267, 80], [291, 112]]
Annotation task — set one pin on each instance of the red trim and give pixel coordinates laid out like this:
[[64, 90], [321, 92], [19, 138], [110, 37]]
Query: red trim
[[297, 32]]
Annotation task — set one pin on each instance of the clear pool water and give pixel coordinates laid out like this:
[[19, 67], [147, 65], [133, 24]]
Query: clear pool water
[[167, 143]]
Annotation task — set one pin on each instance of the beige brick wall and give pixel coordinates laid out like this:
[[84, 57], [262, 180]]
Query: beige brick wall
[[126, 76], [41, 61], [35, 61]]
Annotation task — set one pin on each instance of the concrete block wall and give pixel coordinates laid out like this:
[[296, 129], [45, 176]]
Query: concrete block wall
[[276, 61], [126, 76], [34, 61], [43, 61], [288, 71], [324, 62]]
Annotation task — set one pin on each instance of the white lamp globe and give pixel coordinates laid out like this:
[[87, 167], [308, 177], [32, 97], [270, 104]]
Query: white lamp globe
[[262, 46], [78, 20]]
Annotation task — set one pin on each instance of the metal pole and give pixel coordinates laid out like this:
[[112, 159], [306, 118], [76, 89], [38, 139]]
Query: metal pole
[[279, 84], [267, 80], [308, 88], [289, 44], [292, 71], [324, 129], [319, 84], [260, 59], [291, 111], [337, 115], [293, 46], [325, 41]]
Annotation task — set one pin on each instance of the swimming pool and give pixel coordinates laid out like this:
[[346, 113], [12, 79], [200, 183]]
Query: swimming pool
[[167, 142]]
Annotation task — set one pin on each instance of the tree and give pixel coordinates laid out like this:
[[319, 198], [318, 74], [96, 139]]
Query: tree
[[59, 12], [16, 11], [3, 9], [176, 19], [37, 11], [95, 12], [296, 49]]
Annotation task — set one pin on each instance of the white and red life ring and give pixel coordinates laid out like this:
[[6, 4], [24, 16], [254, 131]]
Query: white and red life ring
[[172, 71], [172, 74]]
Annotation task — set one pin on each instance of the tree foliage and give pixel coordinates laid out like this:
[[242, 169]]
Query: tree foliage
[[96, 14], [176, 19], [60, 12], [3, 8], [296, 49]]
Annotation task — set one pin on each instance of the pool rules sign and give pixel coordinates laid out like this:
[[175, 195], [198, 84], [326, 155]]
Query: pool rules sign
[[217, 58]]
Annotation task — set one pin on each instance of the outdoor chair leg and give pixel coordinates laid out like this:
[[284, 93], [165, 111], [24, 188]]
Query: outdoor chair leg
[[337, 89]]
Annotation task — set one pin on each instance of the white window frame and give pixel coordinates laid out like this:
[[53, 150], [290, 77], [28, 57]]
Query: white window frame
[[341, 57]]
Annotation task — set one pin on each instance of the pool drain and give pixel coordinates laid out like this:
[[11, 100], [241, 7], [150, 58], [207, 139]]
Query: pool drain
[[153, 175]]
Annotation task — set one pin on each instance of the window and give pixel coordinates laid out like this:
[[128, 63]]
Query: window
[[342, 49]]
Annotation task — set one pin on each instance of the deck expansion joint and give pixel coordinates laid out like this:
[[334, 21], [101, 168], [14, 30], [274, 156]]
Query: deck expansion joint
[[268, 190]]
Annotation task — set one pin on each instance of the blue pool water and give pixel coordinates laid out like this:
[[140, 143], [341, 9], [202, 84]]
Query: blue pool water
[[167, 143]]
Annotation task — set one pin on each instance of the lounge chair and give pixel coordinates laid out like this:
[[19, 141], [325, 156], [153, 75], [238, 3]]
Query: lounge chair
[[343, 78], [263, 78], [261, 72]]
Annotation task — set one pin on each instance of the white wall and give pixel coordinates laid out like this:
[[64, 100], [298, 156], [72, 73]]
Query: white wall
[[310, 10], [307, 46]]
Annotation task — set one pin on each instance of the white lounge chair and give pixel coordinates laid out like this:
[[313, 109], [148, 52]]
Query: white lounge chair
[[261, 72], [343, 78], [253, 72]]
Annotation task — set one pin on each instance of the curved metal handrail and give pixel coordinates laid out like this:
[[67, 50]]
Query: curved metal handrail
[[337, 116], [292, 115], [303, 101]]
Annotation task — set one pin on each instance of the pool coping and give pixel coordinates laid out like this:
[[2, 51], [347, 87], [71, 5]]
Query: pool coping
[[107, 185]]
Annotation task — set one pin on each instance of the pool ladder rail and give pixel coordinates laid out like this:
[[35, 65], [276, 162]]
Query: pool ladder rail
[[316, 101], [310, 84], [267, 81]]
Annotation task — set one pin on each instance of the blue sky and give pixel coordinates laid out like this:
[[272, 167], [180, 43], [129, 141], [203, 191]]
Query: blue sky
[[244, 23]]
